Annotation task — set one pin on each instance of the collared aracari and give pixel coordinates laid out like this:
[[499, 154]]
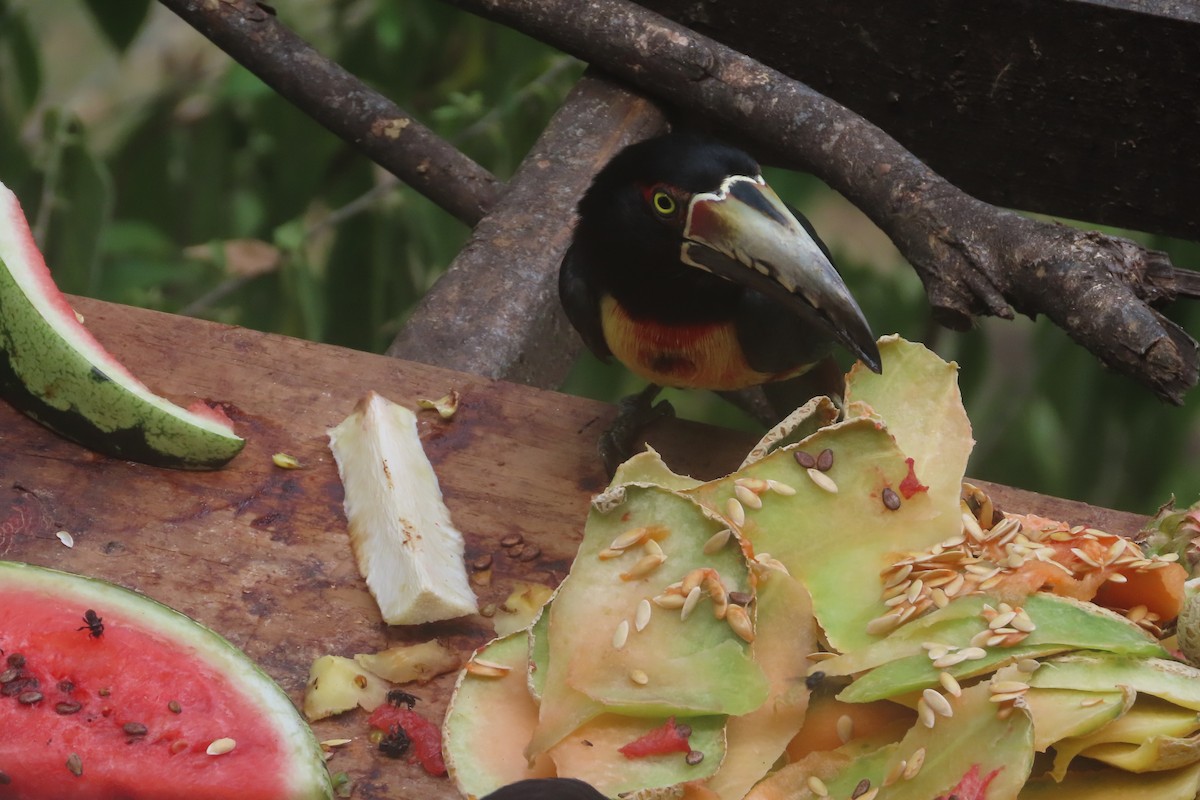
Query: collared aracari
[[692, 272]]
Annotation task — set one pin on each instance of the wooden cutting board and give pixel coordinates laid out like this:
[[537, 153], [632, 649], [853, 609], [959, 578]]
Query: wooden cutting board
[[261, 555]]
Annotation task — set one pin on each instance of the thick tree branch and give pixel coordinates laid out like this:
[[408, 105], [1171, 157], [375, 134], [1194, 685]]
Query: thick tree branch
[[973, 258], [249, 32]]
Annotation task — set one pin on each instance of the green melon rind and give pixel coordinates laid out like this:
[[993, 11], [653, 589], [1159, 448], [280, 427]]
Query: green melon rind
[[1173, 681], [591, 753], [54, 371], [307, 776], [973, 736], [1066, 713], [837, 545], [899, 663], [697, 667], [479, 758], [918, 397]]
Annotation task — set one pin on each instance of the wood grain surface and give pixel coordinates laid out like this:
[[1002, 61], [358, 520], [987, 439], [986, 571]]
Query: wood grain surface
[[261, 555]]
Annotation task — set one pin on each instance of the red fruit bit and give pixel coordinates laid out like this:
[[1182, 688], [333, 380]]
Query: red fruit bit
[[910, 485], [667, 738], [426, 739], [972, 786]]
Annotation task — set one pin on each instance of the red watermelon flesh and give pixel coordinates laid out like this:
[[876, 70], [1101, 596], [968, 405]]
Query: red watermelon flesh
[[131, 713]]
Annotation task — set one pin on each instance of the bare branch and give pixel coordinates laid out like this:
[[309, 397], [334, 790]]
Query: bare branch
[[382, 131], [974, 259]]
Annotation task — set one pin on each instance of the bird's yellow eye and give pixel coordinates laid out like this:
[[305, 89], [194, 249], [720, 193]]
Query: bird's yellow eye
[[664, 204]]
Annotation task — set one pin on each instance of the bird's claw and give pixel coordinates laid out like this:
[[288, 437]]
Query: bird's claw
[[634, 413]]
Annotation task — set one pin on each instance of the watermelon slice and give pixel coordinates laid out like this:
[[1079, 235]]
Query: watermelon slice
[[54, 370], [106, 694]]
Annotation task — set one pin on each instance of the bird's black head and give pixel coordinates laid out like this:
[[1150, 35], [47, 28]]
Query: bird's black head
[[682, 225], [632, 217], [642, 194]]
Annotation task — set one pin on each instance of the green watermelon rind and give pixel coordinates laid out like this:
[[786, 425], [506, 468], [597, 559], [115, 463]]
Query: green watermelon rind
[[54, 370], [305, 772]]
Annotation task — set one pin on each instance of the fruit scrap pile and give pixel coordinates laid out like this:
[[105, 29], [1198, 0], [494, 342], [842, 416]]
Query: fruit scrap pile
[[843, 617]]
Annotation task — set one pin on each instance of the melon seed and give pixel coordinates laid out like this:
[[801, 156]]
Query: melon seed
[[29, 698], [16, 660], [4, 779], [621, 634], [861, 788], [512, 540], [174, 707], [220, 747], [9, 675], [823, 481], [693, 757], [805, 460], [67, 707], [75, 764], [825, 460], [891, 500], [135, 729], [18, 685]]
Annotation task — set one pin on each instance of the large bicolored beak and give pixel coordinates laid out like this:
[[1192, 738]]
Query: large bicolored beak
[[743, 232]]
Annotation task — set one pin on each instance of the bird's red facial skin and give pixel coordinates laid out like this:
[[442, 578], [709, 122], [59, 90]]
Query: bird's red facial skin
[[706, 224]]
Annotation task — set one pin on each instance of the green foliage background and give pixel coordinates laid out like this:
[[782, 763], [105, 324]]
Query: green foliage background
[[158, 173]]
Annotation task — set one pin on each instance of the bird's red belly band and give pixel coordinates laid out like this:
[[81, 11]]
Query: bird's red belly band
[[693, 356]]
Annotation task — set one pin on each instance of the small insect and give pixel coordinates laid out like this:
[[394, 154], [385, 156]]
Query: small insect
[[93, 623], [395, 743], [399, 697]]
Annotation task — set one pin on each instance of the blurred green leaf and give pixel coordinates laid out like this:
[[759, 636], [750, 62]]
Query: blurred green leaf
[[19, 58], [76, 206], [119, 20]]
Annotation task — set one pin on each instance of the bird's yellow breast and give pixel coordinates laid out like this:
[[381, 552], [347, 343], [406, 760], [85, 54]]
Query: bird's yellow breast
[[687, 356]]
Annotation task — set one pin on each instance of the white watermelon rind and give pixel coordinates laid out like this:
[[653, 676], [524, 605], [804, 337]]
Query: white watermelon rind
[[54, 370], [304, 768]]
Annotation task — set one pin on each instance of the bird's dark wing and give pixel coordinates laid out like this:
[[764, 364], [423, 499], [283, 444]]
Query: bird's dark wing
[[775, 338], [581, 300]]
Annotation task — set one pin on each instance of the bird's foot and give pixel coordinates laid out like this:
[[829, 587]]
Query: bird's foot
[[634, 413]]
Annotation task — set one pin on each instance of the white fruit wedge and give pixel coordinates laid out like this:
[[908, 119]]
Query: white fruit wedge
[[400, 530]]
